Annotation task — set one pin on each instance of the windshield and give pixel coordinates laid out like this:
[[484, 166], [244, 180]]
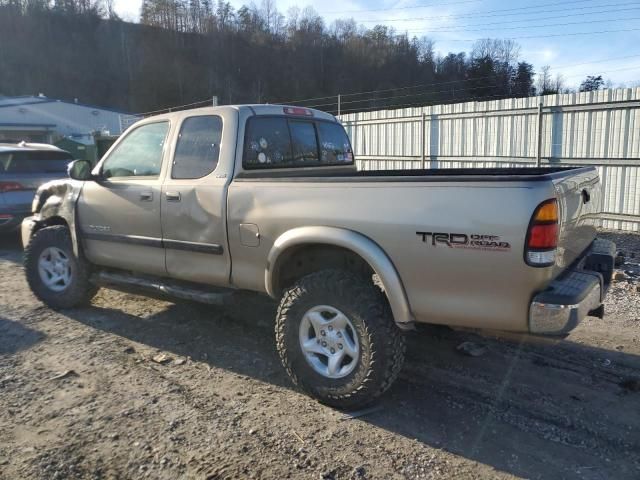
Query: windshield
[[34, 162]]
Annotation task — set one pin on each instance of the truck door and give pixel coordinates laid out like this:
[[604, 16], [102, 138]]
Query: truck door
[[193, 204], [119, 214]]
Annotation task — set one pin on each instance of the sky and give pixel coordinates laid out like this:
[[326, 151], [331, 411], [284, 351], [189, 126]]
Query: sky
[[575, 37]]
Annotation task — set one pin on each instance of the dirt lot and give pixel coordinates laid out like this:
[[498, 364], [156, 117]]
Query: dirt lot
[[81, 397]]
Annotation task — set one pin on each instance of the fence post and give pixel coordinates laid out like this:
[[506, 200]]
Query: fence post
[[434, 140], [424, 140], [339, 102], [539, 147]]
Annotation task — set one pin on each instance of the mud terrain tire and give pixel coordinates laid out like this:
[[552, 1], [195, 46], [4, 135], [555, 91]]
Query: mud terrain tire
[[380, 343], [78, 290]]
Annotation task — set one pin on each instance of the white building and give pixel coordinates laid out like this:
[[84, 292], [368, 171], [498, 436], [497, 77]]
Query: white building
[[42, 119]]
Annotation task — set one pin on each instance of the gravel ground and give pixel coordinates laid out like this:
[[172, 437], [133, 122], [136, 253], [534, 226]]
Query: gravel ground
[[81, 396]]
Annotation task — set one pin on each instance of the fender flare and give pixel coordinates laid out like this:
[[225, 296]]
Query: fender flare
[[359, 244]]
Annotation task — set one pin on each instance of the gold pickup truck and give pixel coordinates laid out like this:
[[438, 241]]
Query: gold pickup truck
[[199, 203]]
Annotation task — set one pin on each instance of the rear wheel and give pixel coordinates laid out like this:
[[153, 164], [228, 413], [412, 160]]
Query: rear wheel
[[55, 275], [337, 339]]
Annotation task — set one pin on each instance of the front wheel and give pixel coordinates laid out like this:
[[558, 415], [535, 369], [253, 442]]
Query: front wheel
[[337, 339], [55, 275]]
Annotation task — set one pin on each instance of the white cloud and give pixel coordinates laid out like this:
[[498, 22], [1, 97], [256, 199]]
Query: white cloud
[[128, 9]]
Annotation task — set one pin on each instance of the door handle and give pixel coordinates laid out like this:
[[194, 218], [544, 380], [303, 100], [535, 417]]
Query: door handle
[[172, 196], [146, 196]]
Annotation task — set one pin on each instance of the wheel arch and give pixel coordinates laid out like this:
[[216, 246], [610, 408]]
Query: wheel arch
[[50, 222], [53, 220], [355, 249]]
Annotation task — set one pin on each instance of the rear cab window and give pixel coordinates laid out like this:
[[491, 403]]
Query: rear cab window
[[335, 146], [283, 142], [304, 142]]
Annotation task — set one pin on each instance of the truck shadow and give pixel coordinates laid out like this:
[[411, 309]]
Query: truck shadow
[[16, 337], [11, 247], [532, 410]]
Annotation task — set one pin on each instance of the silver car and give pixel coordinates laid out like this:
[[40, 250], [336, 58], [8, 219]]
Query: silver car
[[23, 168]]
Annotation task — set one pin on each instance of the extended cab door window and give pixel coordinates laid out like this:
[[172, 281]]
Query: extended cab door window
[[198, 147], [139, 154]]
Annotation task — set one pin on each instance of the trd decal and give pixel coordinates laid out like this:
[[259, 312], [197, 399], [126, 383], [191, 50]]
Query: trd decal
[[462, 240]]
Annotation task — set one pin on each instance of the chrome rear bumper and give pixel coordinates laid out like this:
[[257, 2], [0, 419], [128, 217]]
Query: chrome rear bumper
[[568, 299]]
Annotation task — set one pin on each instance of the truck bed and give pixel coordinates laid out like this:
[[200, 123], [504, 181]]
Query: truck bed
[[453, 286]]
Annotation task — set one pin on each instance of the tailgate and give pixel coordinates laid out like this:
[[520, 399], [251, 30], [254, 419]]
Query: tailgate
[[579, 199]]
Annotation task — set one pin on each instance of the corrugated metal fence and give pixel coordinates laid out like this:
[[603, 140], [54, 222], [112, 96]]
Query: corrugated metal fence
[[599, 128]]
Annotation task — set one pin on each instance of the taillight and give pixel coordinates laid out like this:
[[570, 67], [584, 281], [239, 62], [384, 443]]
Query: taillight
[[10, 187], [542, 237]]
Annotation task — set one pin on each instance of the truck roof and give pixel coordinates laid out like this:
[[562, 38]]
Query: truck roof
[[256, 109]]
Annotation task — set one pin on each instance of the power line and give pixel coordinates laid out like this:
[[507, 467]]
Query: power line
[[492, 13], [554, 17], [426, 5], [552, 35], [452, 3], [428, 30]]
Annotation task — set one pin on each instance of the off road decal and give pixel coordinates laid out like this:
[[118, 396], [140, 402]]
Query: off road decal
[[462, 240]]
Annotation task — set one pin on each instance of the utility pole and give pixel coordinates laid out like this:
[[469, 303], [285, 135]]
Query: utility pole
[[214, 101], [339, 103]]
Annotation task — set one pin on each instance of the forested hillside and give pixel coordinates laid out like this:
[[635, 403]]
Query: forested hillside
[[187, 51]]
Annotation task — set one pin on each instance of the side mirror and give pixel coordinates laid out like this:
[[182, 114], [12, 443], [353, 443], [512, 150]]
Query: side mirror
[[79, 170]]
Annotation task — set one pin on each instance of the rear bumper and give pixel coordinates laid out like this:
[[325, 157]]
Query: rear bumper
[[568, 299]]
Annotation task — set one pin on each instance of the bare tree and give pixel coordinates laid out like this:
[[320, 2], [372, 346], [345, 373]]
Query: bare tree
[[558, 84], [545, 83], [505, 51]]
